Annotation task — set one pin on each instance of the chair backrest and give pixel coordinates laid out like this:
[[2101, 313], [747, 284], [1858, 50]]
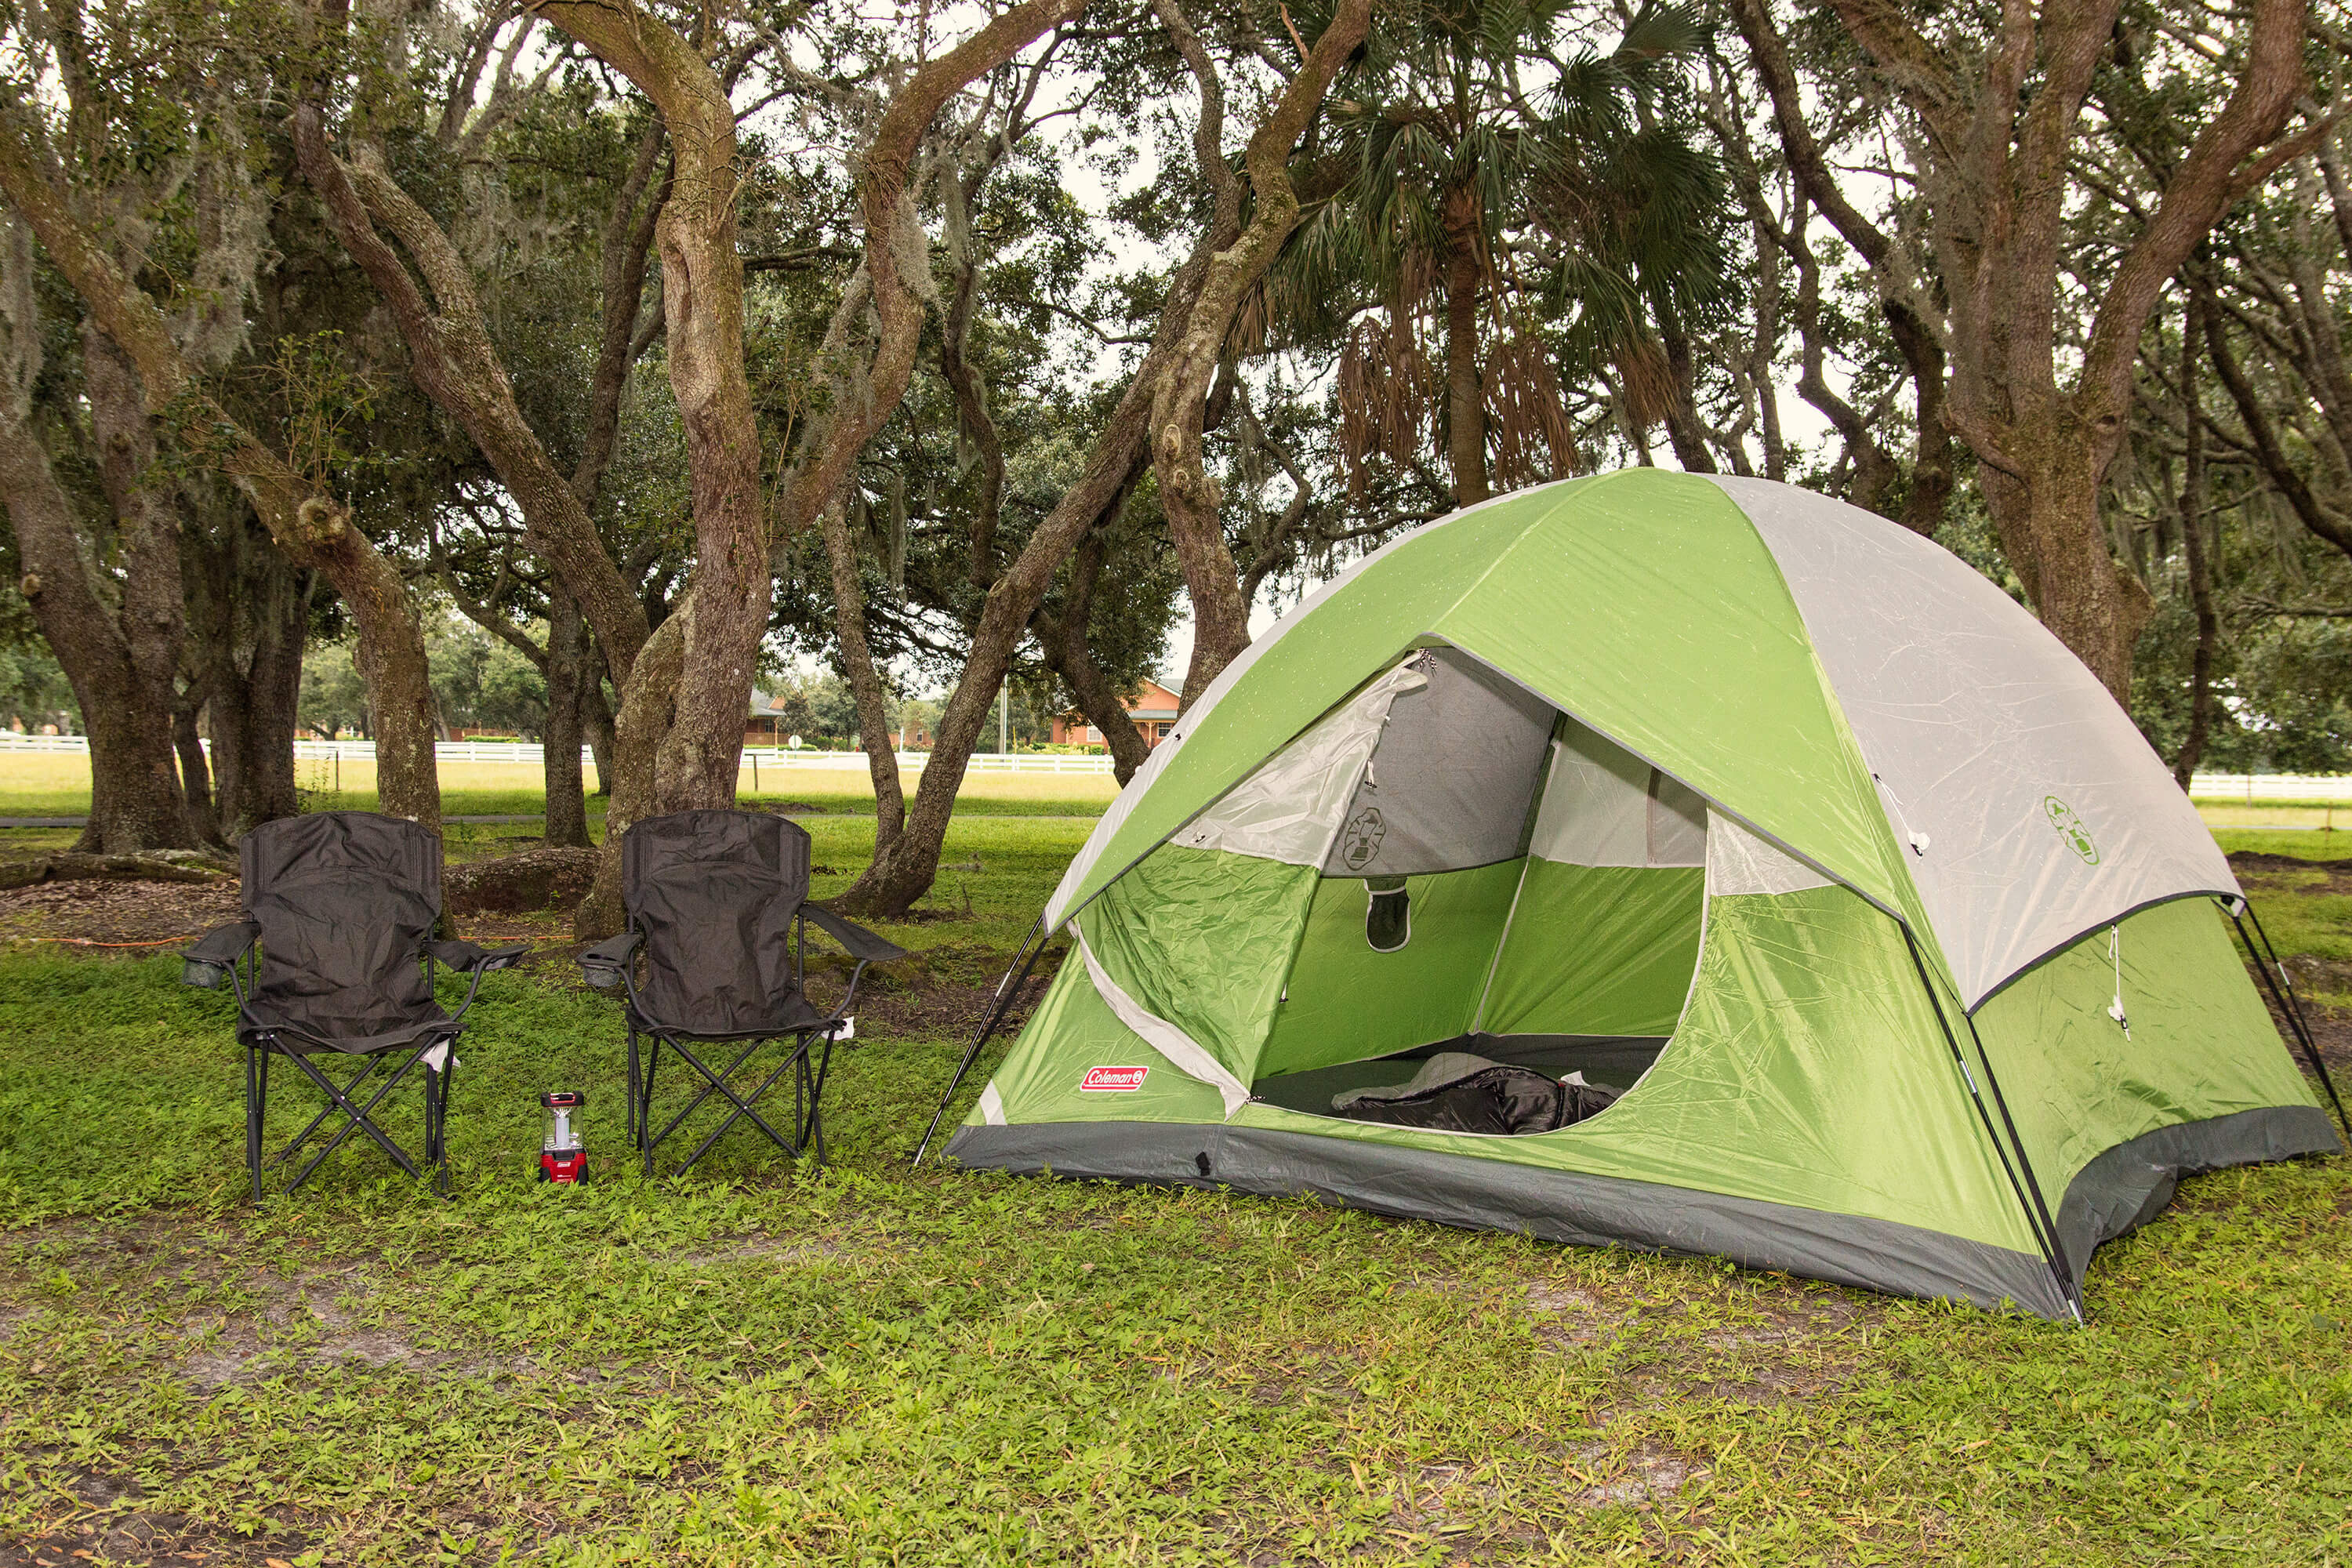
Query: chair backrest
[[344, 899], [715, 893]]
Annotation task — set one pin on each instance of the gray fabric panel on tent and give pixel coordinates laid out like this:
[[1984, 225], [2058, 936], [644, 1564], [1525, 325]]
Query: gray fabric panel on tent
[[1057, 907], [1603, 805], [1452, 778], [2130, 1183], [1495, 1195], [2032, 809]]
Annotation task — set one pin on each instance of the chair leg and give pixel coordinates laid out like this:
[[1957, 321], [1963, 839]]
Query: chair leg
[[432, 1121], [816, 1099], [718, 1083], [437, 1119], [633, 1086], [807, 1132], [448, 1087], [255, 1088], [713, 1083], [646, 1107]]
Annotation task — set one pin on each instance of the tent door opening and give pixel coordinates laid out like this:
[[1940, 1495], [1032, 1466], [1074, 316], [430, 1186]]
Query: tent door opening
[[1508, 884]]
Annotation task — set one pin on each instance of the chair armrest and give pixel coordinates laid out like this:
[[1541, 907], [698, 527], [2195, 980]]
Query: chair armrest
[[602, 964], [465, 957], [204, 964], [860, 943]]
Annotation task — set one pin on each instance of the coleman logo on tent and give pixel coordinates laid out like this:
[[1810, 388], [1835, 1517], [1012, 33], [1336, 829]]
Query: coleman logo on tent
[[1359, 840], [2070, 828], [1117, 1080]]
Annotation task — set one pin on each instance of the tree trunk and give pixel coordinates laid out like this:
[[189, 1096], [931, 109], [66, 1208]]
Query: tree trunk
[[567, 659], [1466, 398], [596, 720], [135, 800], [195, 773], [153, 609], [390, 654], [1064, 643], [973, 421], [252, 709], [643, 719], [453, 361], [1684, 431], [1931, 463], [2051, 531], [313, 529], [864, 682], [892, 883], [2192, 543], [702, 284], [1996, 186], [1180, 402]]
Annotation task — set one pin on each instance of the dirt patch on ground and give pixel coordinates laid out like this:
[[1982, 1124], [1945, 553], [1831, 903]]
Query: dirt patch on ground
[[544, 877], [1802, 1349], [2331, 1028], [1637, 1478], [943, 1008], [2258, 863], [1574, 1315], [99, 913], [2331, 1031], [115, 1528], [1768, 1346]]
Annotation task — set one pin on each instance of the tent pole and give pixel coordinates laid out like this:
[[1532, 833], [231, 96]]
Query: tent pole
[[2032, 1184], [2037, 1213], [1025, 958], [2282, 986]]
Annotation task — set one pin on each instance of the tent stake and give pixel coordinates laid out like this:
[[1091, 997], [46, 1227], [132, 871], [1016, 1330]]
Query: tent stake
[[2037, 1212], [2282, 988], [1025, 958]]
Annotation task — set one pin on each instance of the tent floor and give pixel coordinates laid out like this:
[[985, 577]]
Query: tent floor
[[1617, 1060]]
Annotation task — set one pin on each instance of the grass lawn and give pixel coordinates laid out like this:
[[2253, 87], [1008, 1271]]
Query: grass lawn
[[870, 1365]]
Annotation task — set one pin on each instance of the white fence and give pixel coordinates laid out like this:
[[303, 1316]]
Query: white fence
[[2217, 787], [2256, 788], [528, 754]]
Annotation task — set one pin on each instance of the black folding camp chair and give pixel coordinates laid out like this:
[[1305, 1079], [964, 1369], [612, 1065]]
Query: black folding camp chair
[[335, 955], [716, 953]]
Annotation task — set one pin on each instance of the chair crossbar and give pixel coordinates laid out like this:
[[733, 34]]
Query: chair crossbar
[[367, 1066], [357, 1117], [805, 1090], [798, 1058]]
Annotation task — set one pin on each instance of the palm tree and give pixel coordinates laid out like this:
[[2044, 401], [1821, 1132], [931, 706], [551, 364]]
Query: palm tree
[[1526, 207]]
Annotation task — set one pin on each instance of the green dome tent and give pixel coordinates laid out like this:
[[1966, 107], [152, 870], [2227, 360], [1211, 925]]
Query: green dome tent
[[1898, 945]]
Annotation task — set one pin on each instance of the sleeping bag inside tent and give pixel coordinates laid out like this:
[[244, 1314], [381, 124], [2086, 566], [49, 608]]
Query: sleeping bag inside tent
[[1653, 860]]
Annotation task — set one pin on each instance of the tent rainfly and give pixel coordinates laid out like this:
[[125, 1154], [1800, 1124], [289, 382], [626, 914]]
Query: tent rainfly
[[1871, 940]]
